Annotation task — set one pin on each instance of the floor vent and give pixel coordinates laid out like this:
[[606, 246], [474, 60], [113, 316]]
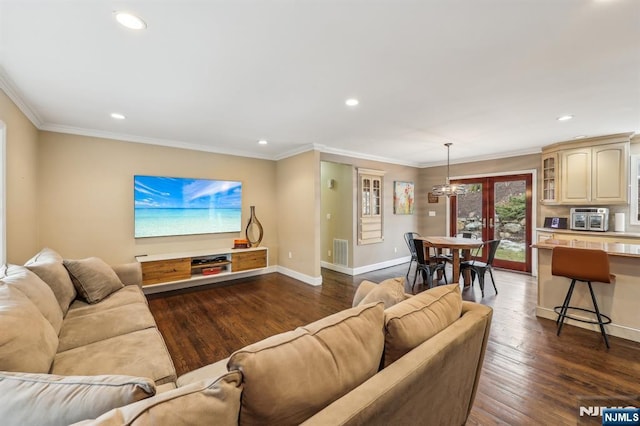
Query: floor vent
[[340, 252]]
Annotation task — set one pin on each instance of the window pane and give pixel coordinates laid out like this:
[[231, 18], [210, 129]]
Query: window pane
[[376, 197], [366, 196], [510, 219], [469, 214]]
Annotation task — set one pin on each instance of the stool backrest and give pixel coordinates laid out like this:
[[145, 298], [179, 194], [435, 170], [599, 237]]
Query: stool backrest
[[581, 264]]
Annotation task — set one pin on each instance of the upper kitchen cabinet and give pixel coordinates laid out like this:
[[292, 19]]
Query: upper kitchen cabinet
[[576, 176], [593, 171], [610, 173]]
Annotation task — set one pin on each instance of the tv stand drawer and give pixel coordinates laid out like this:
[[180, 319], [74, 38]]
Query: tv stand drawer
[[166, 270], [248, 260]]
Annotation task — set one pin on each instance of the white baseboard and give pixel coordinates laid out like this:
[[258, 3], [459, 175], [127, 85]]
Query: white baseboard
[[314, 281], [366, 268], [611, 329], [337, 268]]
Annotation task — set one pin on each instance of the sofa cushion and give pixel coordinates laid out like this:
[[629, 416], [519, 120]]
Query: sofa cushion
[[290, 376], [48, 266], [417, 319], [129, 294], [140, 353], [93, 278], [36, 290], [215, 369], [28, 341], [389, 292], [45, 399], [212, 402], [104, 324], [165, 387], [364, 288]]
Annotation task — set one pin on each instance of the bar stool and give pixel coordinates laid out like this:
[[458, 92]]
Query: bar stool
[[581, 265]]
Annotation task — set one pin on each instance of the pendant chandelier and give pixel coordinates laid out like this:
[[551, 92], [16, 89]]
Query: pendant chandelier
[[447, 188]]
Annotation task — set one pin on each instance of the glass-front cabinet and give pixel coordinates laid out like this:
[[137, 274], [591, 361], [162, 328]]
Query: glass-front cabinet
[[549, 178], [370, 228]]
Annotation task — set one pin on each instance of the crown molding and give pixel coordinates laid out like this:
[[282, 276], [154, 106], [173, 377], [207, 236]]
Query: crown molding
[[495, 156], [57, 128], [362, 156], [7, 85], [293, 152]]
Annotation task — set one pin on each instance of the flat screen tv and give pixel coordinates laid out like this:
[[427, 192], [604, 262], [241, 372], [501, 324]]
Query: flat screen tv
[[167, 206]]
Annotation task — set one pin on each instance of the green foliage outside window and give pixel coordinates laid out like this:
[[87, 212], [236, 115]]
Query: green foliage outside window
[[512, 209]]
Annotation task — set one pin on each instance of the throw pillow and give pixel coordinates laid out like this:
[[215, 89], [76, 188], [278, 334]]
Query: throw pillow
[[36, 290], [48, 266], [211, 402], [39, 399], [93, 278], [389, 292], [291, 376], [28, 341], [417, 319]]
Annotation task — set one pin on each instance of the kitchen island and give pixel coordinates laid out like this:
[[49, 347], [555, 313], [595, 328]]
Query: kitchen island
[[620, 301]]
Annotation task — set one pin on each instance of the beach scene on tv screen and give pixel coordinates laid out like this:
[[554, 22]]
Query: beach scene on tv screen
[[166, 206]]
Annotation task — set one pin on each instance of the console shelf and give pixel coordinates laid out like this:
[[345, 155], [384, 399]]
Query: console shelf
[[198, 267]]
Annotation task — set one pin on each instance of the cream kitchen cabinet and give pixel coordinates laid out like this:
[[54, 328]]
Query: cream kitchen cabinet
[[594, 175], [591, 171]]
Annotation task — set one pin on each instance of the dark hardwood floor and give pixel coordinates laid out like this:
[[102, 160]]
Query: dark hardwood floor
[[530, 376]]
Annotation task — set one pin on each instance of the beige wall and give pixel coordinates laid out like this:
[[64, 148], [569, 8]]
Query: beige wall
[[395, 226], [86, 195], [298, 201], [21, 182], [338, 203], [436, 225]]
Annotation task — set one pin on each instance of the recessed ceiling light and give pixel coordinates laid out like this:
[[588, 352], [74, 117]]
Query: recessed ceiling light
[[262, 142], [117, 116], [130, 21], [352, 102], [564, 117], [580, 137]]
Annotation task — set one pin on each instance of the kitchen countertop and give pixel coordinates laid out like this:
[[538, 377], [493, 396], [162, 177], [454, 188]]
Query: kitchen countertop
[[591, 233], [613, 249]]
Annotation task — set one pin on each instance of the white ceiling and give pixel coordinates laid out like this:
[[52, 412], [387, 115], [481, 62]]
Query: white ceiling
[[491, 76]]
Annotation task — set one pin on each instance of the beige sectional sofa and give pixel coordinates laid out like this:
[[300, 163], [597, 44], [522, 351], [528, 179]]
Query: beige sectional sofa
[[390, 359], [51, 337]]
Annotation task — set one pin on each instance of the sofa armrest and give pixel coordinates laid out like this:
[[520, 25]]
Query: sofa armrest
[[480, 311], [129, 273]]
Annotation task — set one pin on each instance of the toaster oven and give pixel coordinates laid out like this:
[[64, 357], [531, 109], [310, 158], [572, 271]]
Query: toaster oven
[[590, 219]]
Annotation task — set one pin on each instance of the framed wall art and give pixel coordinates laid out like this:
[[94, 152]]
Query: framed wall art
[[403, 197]]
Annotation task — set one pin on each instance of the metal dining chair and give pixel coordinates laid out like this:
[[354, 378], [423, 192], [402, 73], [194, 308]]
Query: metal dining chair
[[479, 268], [408, 238], [427, 265]]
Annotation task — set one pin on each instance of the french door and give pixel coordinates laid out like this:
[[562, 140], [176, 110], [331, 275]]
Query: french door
[[497, 207]]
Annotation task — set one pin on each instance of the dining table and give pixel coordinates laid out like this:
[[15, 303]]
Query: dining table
[[456, 245]]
